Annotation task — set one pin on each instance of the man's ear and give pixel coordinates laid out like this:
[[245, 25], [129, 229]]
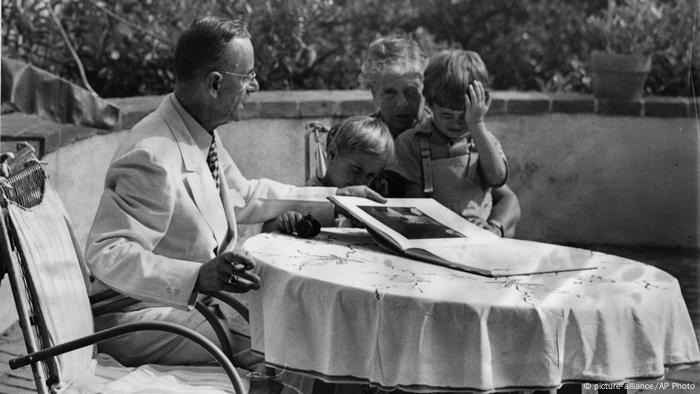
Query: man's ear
[[214, 81]]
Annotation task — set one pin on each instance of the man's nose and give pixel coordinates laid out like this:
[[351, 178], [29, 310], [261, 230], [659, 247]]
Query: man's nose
[[253, 86]]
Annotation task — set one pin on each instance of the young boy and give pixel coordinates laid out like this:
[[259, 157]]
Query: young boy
[[358, 149], [451, 156]]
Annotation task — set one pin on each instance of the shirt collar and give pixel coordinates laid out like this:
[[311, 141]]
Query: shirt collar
[[201, 137]]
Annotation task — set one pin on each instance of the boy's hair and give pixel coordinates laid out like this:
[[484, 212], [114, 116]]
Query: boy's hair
[[384, 52], [448, 75], [363, 134], [202, 46]]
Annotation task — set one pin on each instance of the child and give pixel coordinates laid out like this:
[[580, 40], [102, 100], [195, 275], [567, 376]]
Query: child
[[358, 150], [451, 156]]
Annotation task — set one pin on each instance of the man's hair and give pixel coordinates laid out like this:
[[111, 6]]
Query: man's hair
[[363, 134], [385, 52], [448, 75], [200, 48]]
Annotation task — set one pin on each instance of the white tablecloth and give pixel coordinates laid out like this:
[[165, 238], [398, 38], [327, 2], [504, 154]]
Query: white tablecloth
[[342, 309]]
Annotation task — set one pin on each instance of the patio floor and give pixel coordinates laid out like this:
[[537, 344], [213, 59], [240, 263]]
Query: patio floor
[[684, 265]]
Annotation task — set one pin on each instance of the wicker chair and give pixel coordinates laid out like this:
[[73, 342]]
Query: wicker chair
[[48, 279], [315, 150]]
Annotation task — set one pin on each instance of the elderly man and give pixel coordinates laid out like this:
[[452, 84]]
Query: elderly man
[[166, 224]]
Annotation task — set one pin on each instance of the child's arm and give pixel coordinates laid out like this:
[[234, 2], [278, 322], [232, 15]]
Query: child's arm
[[491, 160], [506, 210]]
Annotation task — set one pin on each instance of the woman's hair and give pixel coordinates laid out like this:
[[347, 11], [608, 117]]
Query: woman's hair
[[201, 47], [448, 75], [364, 134], [390, 51]]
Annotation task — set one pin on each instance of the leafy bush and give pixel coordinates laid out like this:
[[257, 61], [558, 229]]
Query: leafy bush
[[628, 28], [661, 29], [126, 45]]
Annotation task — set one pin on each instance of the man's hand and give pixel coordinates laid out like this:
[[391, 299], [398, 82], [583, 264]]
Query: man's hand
[[288, 222], [360, 191], [228, 271], [477, 103]]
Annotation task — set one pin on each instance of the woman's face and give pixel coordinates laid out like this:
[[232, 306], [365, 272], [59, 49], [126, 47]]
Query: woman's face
[[353, 168], [398, 95]]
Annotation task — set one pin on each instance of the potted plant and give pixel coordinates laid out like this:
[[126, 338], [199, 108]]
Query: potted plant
[[627, 34]]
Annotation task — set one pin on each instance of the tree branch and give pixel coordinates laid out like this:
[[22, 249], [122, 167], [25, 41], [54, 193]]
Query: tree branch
[[66, 39]]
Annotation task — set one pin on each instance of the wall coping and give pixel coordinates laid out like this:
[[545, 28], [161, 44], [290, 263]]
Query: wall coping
[[342, 103]]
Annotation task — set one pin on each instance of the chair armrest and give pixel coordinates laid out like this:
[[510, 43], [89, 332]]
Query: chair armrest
[[232, 302], [217, 327], [113, 332], [118, 303], [110, 301]]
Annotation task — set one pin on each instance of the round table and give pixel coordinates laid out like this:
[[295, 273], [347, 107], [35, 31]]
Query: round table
[[340, 308]]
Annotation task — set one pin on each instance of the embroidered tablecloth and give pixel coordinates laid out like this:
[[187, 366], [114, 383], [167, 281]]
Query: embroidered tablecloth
[[340, 308]]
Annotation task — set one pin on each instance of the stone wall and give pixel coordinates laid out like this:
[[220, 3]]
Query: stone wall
[[586, 171]]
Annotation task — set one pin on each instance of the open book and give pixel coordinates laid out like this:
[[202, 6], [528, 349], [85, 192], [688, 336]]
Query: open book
[[423, 229]]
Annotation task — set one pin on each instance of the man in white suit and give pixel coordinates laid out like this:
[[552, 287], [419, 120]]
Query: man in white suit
[[166, 224]]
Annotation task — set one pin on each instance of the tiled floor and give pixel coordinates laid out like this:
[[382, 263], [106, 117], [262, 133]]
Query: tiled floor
[[18, 381], [684, 265]]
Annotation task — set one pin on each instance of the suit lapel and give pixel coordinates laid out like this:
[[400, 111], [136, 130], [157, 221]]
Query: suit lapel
[[230, 196], [196, 173]]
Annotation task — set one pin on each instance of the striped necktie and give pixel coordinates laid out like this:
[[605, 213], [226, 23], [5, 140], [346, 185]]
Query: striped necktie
[[213, 161]]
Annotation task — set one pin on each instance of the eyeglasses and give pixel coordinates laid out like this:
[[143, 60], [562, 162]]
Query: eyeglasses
[[246, 78]]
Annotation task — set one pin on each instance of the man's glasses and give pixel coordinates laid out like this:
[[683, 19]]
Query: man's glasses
[[245, 78]]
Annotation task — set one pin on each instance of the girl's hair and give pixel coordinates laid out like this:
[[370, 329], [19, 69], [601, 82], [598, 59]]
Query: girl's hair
[[385, 52], [364, 134], [448, 75]]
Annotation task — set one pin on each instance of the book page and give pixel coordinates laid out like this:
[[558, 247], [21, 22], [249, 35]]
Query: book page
[[426, 230], [414, 222], [509, 257]]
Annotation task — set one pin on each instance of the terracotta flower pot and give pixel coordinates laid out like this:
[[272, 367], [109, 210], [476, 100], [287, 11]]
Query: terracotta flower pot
[[619, 77]]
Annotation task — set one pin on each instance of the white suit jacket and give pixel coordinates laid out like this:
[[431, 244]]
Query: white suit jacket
[[161, 217]]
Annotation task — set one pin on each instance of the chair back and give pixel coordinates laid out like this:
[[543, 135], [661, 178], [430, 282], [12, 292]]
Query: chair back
[[316, 148], [44, 266]]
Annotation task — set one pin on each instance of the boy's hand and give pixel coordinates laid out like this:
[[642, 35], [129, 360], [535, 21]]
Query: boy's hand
[[288, 222], [477, 103], [360, 191], [483, 224]]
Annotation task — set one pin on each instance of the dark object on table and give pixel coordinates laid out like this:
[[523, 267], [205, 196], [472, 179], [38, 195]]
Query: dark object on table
[[308, 227]]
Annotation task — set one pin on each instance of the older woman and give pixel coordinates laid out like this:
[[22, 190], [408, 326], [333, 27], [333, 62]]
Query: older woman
[[393, 71]]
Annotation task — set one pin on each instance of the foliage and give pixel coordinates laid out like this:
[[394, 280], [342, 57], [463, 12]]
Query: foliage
[[535, 45], [629, 28], [126, 45], [661, 29], [673, 56]]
